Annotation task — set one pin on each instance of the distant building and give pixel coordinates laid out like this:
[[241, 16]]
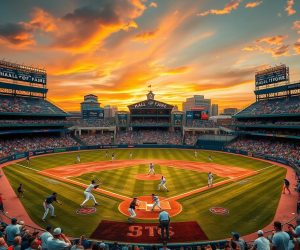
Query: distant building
[[175, 108], [110, 111], [214, 109], [230, 111], [197, 102], [90, 108]]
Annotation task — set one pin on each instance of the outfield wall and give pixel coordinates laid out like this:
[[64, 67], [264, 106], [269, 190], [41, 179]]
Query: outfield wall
[[124, 146]]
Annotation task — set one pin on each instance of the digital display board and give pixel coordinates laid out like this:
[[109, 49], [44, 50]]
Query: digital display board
[[272, 75], [20, 75]]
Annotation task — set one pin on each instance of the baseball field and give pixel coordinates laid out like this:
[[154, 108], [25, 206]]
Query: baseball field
[[244, 196]]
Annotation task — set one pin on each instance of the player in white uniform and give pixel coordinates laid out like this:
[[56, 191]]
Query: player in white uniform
[[163, 183], [210, 178], [210, 158], [113, 156], [151, 169], [156, 202], [78, 158], [196, 154], [88, 193], [130, 155]]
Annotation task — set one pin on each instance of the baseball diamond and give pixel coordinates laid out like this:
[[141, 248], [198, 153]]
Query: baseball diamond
[[188, 199]]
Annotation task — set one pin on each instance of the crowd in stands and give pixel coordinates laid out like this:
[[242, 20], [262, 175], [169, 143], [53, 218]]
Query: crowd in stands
[[150, 121], [201, 124], [273, 106], [35, 122], [17, 236], [190, 139], [149, 136], [285, 150], [95, 122], [18, 145], [278, 132], [97, 139], [277, 122], [16, 104]]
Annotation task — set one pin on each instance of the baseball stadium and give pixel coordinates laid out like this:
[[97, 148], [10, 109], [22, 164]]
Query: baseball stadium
[[148, 176]]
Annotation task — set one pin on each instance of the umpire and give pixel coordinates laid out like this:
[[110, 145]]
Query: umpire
[[164, 223]]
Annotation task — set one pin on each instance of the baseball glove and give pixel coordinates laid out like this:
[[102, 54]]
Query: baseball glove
[[96, 186]]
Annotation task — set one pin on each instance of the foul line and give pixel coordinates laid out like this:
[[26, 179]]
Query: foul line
[[232, 179], [27, 167]]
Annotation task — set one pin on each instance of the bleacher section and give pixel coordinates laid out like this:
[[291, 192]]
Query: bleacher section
[[26, 106], [285, 106]]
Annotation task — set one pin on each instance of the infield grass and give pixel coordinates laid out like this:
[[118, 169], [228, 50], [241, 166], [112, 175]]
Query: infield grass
[[252, 203]]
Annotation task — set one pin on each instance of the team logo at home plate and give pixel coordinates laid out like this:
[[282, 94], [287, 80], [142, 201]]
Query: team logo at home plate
[[219, 210], [86, 210]]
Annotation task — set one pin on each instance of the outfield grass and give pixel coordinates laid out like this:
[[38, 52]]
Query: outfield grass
[[252, 204]]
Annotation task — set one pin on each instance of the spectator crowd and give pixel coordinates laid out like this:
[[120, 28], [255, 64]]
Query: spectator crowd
[[24, 144], [106, 138], [17, 104], [285, 150]]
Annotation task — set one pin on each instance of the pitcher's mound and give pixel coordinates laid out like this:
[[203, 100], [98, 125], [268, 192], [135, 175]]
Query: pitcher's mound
[[148, 177]]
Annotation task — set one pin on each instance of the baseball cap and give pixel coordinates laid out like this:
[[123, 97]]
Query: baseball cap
[[235, 235], [297, 230], [260, 232], [21, 222], [14, 220], [102, 244], [57, 231]]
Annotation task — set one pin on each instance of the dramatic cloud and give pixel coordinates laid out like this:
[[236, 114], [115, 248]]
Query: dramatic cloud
[[296, 26], [146, 36], [297, 47], [253, 4], [41, 20], [289, 7], [153, 5], [232, 5], [273, 45], [273, 40], [18, 35]]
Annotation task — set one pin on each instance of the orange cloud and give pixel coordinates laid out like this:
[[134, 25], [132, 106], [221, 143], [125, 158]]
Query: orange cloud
[[253, 4], [146, 36], [42, 20], [289, 7], [232, 5], [273, 40], [174, 71], [16, 36], [153, 5], [297, 47], [296, 26]]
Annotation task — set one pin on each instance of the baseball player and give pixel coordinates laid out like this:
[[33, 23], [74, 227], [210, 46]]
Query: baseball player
[[210, 158], [156, 202], [106, 154], [196, 154], [286, 186], [28, 160], [151, 169], [210, 178], [78, 158], [113, 156], [163, 183], [88, 193], [48, 205], [20, 191], [131, 209], [130, 155]]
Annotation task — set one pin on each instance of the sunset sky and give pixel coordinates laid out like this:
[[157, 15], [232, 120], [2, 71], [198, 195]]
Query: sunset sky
[[116, 48]]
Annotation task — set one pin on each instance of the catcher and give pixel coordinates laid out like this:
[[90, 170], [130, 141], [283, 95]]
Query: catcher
[[88, 193]]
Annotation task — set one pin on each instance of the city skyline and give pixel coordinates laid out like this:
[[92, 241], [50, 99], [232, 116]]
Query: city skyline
[[115, 49]]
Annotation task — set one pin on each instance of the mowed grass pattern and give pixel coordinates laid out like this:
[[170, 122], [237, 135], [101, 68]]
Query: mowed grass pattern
[[123, 181], [252, 204]]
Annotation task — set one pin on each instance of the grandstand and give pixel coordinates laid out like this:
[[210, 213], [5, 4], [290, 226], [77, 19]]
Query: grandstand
[[271, 125], [25, 110]]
